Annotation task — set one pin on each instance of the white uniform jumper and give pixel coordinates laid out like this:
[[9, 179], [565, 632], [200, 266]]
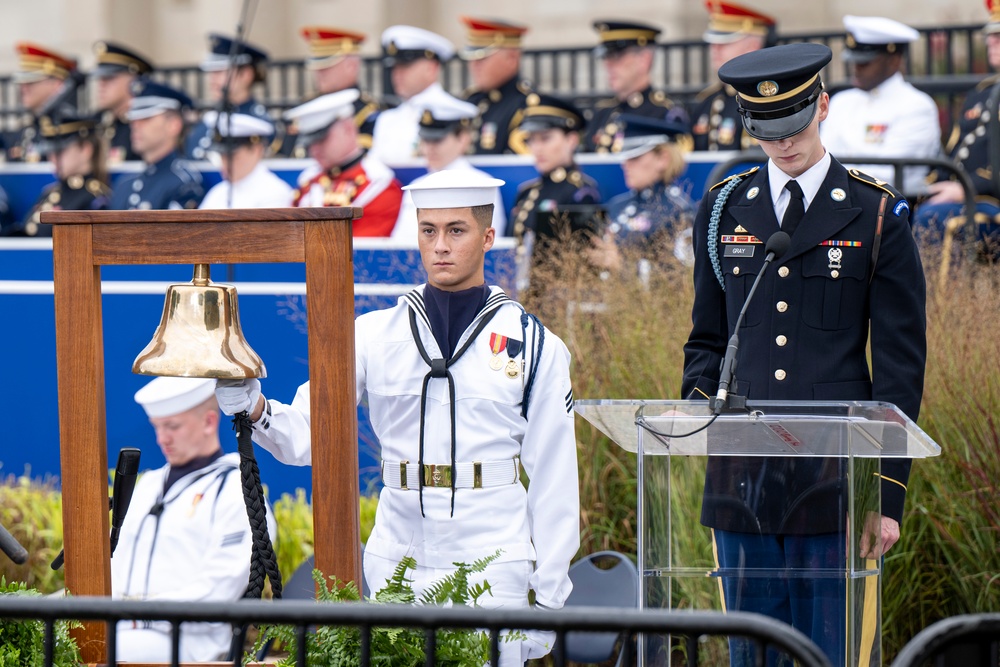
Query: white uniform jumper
[[539, 524], [261, 188], [192, 543], [894, 119]]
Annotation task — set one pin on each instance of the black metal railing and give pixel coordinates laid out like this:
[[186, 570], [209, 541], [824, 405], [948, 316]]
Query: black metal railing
[[682, 68], [691, 625], [971, 640]]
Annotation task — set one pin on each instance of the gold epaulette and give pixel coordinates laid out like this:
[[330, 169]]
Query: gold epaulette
[[607, 103], [660, 99], [871, 180], [723, 182], [711, 90], [96, 188], [987, 82]]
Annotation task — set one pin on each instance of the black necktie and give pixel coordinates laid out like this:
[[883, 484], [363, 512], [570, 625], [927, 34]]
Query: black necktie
[[796, 208]]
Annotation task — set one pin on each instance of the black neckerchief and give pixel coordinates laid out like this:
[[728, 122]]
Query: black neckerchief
[[439, 368], [451, 313], [177, 472]]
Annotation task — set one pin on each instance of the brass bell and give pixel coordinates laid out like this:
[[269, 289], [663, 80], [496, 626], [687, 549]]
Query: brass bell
[[199, 334]]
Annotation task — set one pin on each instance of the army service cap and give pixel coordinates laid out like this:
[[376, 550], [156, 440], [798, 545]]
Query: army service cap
[[619, 36], [777, 88], [114, 58]]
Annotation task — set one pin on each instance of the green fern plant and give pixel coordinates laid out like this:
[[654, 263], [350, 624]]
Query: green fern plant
[[340, 646], [22, 642]]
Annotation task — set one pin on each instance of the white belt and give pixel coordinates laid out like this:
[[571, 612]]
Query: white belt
[[475, 475]]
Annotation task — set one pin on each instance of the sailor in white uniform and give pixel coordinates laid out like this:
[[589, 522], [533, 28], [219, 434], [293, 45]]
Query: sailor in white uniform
[[445, 140], [239, 144], [883, 116], [465, 390], [186, 535], [414, 57]]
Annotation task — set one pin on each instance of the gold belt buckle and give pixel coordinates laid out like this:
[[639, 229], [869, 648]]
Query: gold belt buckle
[[402, 475], [437, 474]]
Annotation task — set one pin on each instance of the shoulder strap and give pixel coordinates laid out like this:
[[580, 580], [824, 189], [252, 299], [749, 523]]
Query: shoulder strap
[[877, 242]]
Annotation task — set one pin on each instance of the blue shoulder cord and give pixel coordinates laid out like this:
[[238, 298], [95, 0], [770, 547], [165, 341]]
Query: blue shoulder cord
[[713, 228], [536, 354]]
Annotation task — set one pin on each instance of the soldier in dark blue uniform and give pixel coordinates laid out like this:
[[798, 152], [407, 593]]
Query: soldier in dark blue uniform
[[117, 67], [850, 279], [654, 206], [562, 202], [969, 146], [732, 31], [493, 51], [156, 115], [47, 81], [73, 143], [628, 49], [250, 68]]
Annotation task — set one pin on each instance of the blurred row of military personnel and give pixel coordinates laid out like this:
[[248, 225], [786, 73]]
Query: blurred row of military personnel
[[142, 119]]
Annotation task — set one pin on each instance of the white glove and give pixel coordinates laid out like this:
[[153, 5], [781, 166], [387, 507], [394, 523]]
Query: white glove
[[235, 396]]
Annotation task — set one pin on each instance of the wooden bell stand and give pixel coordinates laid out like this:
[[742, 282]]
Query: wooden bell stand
[[83, 241]]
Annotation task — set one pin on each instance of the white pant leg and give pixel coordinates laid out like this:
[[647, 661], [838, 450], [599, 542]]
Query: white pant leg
[[142, 644]]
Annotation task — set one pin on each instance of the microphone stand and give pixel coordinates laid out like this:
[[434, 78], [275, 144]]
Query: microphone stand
[[776, 246]]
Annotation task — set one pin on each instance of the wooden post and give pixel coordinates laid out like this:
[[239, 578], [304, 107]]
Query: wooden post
[[83, 241]]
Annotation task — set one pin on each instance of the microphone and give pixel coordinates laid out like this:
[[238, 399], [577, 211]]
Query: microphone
[[125, 474], [775, 247], [10, 546]]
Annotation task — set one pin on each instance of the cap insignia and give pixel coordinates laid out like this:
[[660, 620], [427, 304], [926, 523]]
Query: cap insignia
[[767, 88]]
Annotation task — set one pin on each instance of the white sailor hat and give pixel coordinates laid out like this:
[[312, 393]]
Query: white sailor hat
[[869, 36], [454, 188], [445, 113], [405, 43], [316, 116], [169, 396], [238, 125]]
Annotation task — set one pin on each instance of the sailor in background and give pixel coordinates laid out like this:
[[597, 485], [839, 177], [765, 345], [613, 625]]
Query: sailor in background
[[239, 148], [627, 50], [414, 57], [883, 115], [335, 63], [344, 173], [454, 443], [186, 536], [249, 67], [445, 139], [493, 52], [117, 67], [156, 115], [72, 142], [732, 31]]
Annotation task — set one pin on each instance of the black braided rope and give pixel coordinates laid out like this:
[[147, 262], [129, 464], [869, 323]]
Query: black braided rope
[[262, 559]]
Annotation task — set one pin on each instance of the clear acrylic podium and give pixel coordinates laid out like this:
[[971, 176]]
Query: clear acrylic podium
[[841, 444]]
